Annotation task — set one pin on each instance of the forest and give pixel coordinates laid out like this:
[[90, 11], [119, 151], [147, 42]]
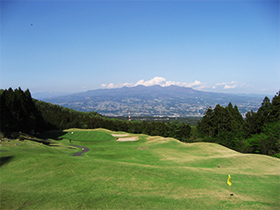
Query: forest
[[258, 132]]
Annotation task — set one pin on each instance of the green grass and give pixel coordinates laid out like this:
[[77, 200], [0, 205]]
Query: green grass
[[151, 173]]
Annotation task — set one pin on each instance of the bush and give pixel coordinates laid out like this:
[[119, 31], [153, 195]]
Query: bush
[[208, 139], [14, 135], [276, 155]]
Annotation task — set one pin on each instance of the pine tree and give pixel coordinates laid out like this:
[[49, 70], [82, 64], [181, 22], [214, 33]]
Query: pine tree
[[204, 127], [263, 114], [250, 126], [275, 108]]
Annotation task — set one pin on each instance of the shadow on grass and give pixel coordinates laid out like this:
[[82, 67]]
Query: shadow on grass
[[47, 137], [46, 142], [54, 134], [4, 160]]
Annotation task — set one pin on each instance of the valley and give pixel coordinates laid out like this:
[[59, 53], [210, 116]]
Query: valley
[[156, 101]]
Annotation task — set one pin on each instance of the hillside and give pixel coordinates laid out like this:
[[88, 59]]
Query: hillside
[[257, 133], [152, 101], [150, 173]]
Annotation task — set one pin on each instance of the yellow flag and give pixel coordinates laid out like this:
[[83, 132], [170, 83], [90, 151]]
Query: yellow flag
[[229, 180]]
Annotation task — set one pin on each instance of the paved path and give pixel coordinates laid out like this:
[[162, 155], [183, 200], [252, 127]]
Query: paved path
[[84, 149]]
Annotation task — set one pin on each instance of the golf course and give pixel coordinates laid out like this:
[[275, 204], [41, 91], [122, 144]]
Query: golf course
[[120, 170]]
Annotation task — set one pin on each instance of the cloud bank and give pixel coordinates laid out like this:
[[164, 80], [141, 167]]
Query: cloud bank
[[164, 83], [154, 81]]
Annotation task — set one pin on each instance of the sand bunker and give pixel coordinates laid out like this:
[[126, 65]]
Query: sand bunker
[[128, 139], [119, 135], [124, 137]]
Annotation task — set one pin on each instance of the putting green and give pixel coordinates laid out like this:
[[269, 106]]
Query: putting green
[[151, 173]]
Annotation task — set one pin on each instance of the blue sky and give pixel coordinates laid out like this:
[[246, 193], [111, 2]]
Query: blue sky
[[71, 46]]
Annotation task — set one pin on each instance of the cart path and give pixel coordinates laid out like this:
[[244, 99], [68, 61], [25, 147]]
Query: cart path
[[84, 149]]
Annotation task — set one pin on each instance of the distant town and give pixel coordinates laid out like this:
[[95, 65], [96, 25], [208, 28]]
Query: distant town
[[154, 101]]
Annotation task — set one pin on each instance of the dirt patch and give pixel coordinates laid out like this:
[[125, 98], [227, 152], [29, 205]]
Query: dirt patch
[[128, 139], [143, 148]]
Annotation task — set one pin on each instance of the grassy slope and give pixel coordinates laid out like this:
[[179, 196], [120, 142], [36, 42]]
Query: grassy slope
[[152, 173]]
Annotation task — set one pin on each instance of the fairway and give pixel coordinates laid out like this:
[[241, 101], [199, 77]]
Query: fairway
[[150, 173]]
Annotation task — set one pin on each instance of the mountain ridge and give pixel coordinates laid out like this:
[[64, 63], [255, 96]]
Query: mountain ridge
[[152, 100]]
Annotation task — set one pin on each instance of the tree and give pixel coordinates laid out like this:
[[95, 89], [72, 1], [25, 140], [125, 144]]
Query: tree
[[263, 114], [275, 108], [183, 132], [250, 126], [18, 112], [221, 120], [223, 124], [6, 116], [204, 127]]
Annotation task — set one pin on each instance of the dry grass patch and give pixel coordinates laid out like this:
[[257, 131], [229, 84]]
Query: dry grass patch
[[143, 148], [159, 139]]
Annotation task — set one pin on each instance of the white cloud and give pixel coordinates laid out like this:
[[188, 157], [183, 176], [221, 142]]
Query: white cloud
[[193, 84], [154, 81], [164, 83], [140, 82], [111, 85], [127, 84], [228, 85], [203, 87]]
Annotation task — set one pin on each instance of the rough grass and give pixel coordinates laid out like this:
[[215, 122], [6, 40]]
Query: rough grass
[[151, 173]]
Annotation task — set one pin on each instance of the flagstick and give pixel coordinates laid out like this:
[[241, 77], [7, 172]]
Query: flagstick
[[229, 191]]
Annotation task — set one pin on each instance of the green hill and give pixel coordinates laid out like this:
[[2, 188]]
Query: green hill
[[146, 173]]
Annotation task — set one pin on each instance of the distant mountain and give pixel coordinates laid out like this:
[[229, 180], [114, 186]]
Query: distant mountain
[[43, 95], [153, 101]]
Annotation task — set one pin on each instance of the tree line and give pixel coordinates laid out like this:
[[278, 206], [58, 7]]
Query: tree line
[[258, 132], [20, 113]]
